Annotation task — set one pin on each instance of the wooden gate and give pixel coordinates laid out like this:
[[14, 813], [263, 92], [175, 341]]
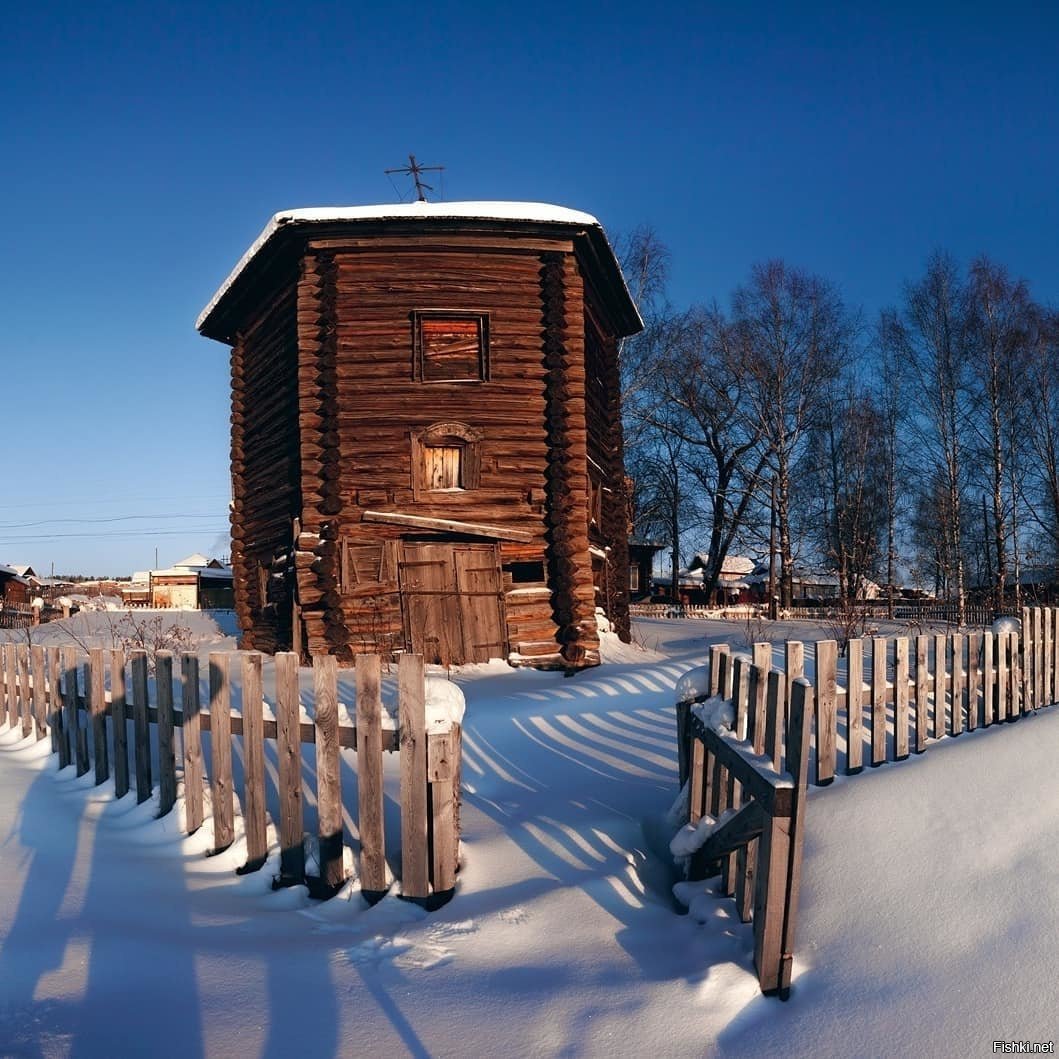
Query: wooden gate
[[452, 600]]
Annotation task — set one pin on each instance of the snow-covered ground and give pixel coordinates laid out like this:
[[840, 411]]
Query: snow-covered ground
[[928, 922]]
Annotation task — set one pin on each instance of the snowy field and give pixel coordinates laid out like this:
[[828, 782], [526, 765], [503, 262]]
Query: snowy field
[[928, 924]]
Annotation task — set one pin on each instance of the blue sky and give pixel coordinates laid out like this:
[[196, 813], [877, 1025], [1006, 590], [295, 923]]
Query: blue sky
[[145, 145]]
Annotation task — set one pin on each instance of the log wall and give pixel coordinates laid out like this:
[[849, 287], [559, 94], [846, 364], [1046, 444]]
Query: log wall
[[266, 470], [326, 401]]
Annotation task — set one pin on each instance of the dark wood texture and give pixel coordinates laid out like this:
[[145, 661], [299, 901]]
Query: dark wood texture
[[289, 753], [329, 406], [254, 764]]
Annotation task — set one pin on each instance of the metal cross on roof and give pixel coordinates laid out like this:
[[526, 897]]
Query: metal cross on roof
[[414, 169]]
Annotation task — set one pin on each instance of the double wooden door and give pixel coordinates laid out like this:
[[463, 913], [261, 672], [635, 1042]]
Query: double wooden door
[[452, 601]]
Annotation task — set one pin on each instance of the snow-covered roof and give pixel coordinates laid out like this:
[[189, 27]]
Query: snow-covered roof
[[22, 571], [540, 212], [193, 561]]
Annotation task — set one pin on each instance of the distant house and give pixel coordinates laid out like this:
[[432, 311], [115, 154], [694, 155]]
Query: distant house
[[809, 585], [733, 585], [194, 583], [13, 587], [641, 560]]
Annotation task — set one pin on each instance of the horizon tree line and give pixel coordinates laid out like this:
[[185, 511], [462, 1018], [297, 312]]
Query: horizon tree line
[[922, 446]]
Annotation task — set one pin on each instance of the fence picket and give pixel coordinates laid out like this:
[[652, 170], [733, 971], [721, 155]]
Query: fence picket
[[442, 773], [141, 730], [78, 740], [163, 680], [39, 689], [369, 775], [922, 693], [1003, 646], [774, 710], [97, 707], [940, 679], [191, 738], [854, 706], [55, 705], [900, 698], [974, 678], [957, 644], [328, 774], [289, 752], [415, 869], [826, 710], [878, 700], [221, 752], [254, 764], [118, 730], [5, 689], [24, 704], [989, 681]]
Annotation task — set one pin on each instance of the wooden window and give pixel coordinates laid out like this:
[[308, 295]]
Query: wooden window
[[446, 458], [443, 466], [451, 346]]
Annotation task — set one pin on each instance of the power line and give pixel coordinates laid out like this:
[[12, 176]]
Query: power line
[[109, 518]]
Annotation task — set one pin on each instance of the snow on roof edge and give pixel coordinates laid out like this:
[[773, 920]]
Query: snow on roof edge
[[481, 211]]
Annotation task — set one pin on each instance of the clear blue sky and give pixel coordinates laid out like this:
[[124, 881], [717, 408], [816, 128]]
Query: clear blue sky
[[145, 145]]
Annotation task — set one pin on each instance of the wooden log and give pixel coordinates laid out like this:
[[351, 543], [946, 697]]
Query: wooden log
[[901, 715], [415, 872], [221, 752], [191, 718], [163, 678], [922, 693], [289, 752], [39, 690], [826, 710], [328, 774], [854, 707], [254, 765], [878, 700], [141, 729], [55, 705]]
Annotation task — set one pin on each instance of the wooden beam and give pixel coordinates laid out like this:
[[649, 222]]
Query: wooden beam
[[448, 525]]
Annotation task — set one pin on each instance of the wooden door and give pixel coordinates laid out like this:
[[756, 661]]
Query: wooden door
[[452, 603]]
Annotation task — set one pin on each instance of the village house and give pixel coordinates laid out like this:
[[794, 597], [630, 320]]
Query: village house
[[426, 438]]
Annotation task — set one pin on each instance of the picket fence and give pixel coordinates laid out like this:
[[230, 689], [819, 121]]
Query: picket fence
[[40, 691], [914, 690]]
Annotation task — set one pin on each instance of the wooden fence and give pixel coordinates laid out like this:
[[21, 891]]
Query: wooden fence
[[83, 706], [895, 697], [756, 845]]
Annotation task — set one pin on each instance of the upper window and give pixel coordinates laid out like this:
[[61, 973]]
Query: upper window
[[451, 346]]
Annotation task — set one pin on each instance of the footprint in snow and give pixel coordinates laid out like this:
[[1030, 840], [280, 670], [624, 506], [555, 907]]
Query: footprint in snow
[[516, 914], [400, 952]]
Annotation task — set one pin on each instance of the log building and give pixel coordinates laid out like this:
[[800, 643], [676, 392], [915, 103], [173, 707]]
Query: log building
[[426, 434]]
